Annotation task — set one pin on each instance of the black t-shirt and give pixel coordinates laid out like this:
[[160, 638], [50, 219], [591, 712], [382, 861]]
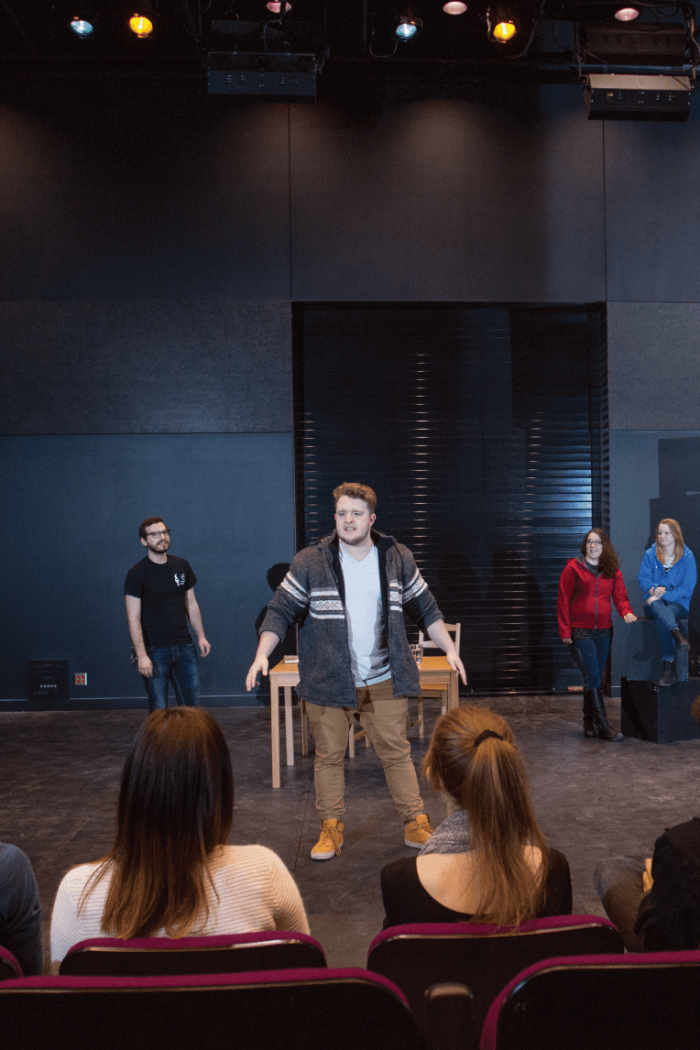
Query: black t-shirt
[[406, 900], [161, 589]]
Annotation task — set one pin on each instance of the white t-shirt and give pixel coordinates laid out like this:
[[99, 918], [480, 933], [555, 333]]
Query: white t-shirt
[[256, 892], [369, 652]]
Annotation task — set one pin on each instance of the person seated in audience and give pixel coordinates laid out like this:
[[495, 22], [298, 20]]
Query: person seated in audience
[[170, 872], [655, 902], [20, 909], [488, 861]]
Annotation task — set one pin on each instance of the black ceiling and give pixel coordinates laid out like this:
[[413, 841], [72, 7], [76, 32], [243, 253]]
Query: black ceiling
[[35, 38]]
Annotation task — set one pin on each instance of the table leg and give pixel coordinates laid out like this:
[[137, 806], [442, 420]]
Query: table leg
[[288, 724], [304, 728], [275, 732], [453, 691]]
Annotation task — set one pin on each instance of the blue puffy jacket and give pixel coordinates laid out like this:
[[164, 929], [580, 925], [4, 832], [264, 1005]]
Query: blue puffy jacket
[[679, 581]]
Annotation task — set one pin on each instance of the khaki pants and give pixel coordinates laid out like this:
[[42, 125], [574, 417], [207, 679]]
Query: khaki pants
[[384, 718]]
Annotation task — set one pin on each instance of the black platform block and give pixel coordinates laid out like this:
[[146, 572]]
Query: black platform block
[[640, 653], [659, 714]]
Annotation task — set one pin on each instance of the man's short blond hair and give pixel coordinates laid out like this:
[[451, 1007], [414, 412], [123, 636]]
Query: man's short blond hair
[[353, 491]]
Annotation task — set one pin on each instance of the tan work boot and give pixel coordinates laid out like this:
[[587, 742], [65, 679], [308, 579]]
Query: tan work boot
[[418, 831], [330, 842]]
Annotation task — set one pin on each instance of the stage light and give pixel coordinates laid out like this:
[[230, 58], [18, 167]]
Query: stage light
[[627, 14], [504, 31], [81, 27], [276, 6], [408, 25], [502, 23], [142, 26], [454, 7]]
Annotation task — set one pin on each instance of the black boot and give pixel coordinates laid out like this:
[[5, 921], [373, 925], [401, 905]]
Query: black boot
[[668, 675], [600, 719], [588, 726], [681, 640]]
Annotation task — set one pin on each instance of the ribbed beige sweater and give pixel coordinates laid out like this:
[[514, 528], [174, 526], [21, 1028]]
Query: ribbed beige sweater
[[256, 892]]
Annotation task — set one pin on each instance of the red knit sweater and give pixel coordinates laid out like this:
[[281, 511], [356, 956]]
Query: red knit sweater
[[584, 599]]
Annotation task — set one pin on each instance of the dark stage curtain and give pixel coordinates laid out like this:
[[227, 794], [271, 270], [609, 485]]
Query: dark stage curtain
[[483, 430]]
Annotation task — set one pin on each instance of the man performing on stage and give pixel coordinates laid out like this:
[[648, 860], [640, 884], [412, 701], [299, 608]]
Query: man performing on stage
[[159, 592], [348, 592]]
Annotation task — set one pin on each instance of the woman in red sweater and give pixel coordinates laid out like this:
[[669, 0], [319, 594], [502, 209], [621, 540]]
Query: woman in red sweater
[[585, 621]]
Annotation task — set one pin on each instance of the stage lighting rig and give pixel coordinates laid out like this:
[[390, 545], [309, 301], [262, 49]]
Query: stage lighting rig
[[408, 24], [620, 96], [503, 23], [511, 25], [141, 26], [627, 14], [82, 28], [278, 58]]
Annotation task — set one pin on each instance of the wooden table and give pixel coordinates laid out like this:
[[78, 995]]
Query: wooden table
[[433, 671]]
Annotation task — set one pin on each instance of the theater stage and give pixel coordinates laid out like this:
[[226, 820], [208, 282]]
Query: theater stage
[[60, 776]]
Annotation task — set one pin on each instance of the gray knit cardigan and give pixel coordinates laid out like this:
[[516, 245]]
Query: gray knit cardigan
[[312, 594]]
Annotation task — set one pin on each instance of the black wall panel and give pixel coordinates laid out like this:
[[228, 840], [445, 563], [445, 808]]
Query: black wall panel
[[152, 367], [495, 196], [652, 189], [141, 189], [72, 534], [654, 366]]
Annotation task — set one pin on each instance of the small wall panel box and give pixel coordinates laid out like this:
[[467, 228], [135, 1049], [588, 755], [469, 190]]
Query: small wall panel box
[[47, 680]]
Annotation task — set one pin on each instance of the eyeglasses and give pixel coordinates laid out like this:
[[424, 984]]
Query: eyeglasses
[[594, 543], [160, 532]]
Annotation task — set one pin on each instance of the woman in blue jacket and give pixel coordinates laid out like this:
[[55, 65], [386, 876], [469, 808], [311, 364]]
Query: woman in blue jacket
[[667, 578]]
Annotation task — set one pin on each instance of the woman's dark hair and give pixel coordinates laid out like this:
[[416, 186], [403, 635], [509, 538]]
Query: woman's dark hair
[[175, 808], [473, 756], [609, 562]]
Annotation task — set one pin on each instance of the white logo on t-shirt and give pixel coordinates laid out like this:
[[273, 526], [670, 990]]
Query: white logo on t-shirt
[[180, 579]]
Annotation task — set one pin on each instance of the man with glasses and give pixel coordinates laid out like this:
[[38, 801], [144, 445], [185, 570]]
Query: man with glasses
[[159, 593]]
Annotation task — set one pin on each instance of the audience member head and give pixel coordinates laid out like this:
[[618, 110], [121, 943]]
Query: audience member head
[[609, 562], [473, 756], [175, 808], [675, 529]]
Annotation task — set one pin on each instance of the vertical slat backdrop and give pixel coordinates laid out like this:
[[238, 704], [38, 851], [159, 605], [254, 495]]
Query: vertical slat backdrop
[[483, 431]]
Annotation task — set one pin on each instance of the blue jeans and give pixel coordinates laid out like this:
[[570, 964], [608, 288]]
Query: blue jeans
[[590, 655], [666, 615], [177, 664]]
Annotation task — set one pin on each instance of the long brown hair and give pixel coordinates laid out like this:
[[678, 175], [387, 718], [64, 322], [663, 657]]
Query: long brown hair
[[490, 783], [609, 562], [175, 808], [678, 537]]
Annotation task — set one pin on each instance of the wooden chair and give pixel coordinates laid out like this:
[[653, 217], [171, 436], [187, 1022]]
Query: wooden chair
[[613, 1002], [9, 967], [483, 957], [349, 1009], [441, 693], [163, 956]]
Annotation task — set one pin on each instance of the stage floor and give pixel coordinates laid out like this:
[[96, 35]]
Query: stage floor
[[60, 776]]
